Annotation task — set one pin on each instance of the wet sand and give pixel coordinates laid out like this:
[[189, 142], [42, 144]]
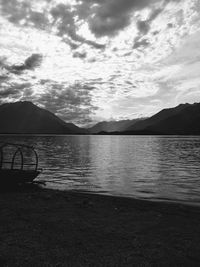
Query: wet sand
[[40, 227]]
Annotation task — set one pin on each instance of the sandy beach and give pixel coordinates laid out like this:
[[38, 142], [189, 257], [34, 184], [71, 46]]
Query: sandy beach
[[42, 227]]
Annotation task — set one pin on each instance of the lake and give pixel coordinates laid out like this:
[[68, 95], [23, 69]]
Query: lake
[[163, 168]]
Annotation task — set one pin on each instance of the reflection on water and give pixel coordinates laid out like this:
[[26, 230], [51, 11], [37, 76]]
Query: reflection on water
[[156, 167]]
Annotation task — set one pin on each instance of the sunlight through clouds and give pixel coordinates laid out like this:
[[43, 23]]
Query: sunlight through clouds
[[134, 57]]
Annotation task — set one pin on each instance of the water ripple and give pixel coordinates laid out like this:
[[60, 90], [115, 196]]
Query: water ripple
[[153, 167]]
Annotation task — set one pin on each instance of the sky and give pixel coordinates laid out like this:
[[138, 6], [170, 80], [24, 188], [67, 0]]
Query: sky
[[93, 60]]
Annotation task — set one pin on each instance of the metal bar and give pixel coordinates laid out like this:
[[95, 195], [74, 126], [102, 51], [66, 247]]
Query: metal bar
[[22, 158], [36, 159], [1, 163], [14, 156], [13, 159]]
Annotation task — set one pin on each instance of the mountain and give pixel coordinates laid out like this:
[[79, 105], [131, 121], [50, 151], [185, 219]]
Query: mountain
[[112, 126], [27, 118], [183, 119]]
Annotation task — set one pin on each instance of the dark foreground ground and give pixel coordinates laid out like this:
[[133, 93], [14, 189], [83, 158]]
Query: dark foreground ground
[[51, 228]]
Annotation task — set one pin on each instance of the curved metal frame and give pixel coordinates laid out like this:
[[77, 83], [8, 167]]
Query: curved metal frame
[[19, 149]]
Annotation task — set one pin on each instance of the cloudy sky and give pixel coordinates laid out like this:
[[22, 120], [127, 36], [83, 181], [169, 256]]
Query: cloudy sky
[[93, 60]]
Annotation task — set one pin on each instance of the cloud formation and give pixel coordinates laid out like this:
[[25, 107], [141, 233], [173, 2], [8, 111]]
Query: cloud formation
[[30, 63], [71, 103], [113, 16], [99, 59]]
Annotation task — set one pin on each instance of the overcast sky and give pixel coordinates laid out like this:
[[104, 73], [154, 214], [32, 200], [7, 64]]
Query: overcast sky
[[93, 60]]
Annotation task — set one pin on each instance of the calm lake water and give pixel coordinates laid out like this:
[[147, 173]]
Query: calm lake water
[[150, 167]]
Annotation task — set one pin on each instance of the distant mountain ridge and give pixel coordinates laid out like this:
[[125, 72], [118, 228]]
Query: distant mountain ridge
[[26, 118], [183, 119], [112, 126]]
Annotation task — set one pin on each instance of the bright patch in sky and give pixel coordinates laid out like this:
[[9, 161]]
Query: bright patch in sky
[[92, 60]]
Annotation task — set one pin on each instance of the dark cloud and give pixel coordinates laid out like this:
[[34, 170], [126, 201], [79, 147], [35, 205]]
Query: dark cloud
[[72, 103], [108, 26], [20, 86], [170, 25], [37, 19], [20, 12], [81, 55], [108, 17], [73, 44], [44, 81], [155, 33], [114, 15], [2, 61], [13, 91], [64, 18], [8, 92], [141, 43], [30, 63], [105, 17], [79, 40], [3, 78], [145, 25], [95, 45], [15, 11]]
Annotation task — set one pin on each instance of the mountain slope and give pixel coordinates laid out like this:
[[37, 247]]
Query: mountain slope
[[183, 119], [112, 126], [25, 117]]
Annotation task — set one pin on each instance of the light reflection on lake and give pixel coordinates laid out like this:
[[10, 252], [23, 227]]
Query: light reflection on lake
[[153, 167]]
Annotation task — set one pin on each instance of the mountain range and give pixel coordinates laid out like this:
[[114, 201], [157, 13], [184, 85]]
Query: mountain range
[[183, 119], [113, 126], [27, 118]]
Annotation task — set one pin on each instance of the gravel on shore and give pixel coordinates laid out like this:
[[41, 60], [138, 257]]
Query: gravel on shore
[[42, 227]]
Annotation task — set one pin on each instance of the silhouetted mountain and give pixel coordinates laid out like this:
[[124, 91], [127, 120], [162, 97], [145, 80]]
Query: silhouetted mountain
[[183, 119], [26, 118], [112, 126]]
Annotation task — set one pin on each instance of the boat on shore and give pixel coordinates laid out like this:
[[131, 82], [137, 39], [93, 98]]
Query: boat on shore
[[18, 164]]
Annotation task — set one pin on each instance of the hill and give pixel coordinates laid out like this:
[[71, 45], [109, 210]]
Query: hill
[[27, 118], [183, 119], [112, 126]]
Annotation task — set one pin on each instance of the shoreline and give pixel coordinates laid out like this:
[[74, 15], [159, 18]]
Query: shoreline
[[194, 203], [46, 227]]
